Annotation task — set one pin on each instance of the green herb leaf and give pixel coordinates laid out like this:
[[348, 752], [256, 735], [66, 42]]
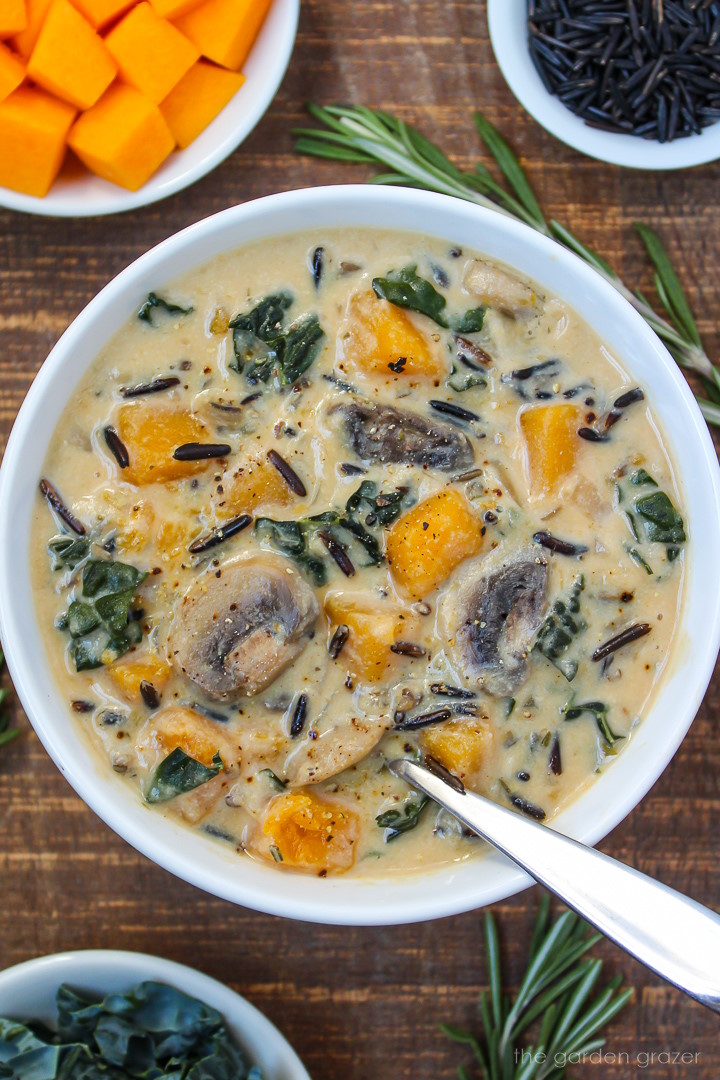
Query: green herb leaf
[[100, 622], [178, 773], [264, 348], [660, 520], [599, 710], [560, 629], [460, 379], [67, 551], [642, 478], [669, 288], [158, 303], [406, 289], [402, 820], [471, 322], [385, 507], [289, 538], [510, 167]]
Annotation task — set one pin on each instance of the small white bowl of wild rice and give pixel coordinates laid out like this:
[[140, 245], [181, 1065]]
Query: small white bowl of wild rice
[[630, 82]]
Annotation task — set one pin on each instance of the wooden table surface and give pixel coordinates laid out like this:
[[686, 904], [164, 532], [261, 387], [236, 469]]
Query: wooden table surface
[[358, 1004]]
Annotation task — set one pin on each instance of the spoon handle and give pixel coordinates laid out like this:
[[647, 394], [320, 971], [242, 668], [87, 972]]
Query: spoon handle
[[674, 936]]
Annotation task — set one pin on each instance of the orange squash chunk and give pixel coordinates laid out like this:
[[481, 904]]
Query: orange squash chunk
[[197, 99], [123, 138], [380, 334], [69, 58], [426, 544], [13, 17], [100, 13], [551, 443], [310, 832], [373, 630], [24, 42], [33, 129], [225, 30], [177, 727], [151, 436], [253, 486], [130, 671], [172, 9], [151, 53], [12, 72], [462, 746]]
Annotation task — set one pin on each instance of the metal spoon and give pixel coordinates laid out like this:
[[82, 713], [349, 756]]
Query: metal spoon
[[671, 934]]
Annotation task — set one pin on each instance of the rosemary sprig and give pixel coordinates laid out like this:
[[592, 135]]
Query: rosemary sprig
[[554, 995], [358, 134], [7, 734]]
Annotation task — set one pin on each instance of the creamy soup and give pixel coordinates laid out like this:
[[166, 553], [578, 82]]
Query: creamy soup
[[335, 499]]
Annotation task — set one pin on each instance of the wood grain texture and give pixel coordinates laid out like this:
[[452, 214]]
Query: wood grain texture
[[358, 1004]]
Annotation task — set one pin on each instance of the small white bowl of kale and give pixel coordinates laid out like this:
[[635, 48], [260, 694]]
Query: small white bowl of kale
[[121, 1015]]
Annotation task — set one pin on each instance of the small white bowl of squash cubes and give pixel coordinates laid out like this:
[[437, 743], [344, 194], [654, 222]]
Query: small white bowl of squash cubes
[[107, 105]]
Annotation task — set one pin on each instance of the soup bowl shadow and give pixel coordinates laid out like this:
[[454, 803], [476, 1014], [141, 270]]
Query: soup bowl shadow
[[394, 898]]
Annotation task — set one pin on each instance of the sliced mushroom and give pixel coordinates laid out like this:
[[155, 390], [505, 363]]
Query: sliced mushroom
[[385, 434], [490, 617], [500, 290], [236, 630], [324, 754]]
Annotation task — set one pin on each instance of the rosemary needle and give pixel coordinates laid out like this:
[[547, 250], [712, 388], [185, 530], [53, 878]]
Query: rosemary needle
[[555, 992], [358, 134]]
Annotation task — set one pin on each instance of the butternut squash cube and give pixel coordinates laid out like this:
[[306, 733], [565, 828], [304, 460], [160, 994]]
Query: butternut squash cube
[[426, 544], [225, 30], [151, 436], [151, 53], [13, 17], [462, 746], [172, 9], [122, 138], [381, 339], [69, 58], [551, 443], [100, 13], [12, 72], [373, 630], [135, 668], [33, 130], [197, 99], [254, 485], [24, 42], [310, 832]]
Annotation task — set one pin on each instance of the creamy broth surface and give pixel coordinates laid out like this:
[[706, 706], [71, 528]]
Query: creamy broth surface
[[458, 599]]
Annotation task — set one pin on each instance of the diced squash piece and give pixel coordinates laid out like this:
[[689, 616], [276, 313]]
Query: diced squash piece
[[69, 58], [13, 17], [225, 30], [151, 53], [462, 746], [33, 130], [378, 338], [254, 485], [135, 668], [373, 630], [12, 72], [177, 726], [100, 13], [310, 832], [152, 435], [24, 42], [172, 9], [426, 544], [123, 138], [197, 99], [551, 442]]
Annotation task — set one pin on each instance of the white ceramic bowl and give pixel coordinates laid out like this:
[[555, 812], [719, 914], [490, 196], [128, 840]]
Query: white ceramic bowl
[[79, 193], [507, 22], [27, 992], [211, 865]]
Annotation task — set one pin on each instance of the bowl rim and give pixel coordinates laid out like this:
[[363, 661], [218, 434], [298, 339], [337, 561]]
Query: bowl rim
[[449, 889], [508, 37], [263, 1042], [280, 30]]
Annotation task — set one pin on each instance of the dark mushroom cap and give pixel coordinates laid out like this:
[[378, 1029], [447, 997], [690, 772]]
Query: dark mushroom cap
[[234, 633], [382, 433], [491, 616]]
